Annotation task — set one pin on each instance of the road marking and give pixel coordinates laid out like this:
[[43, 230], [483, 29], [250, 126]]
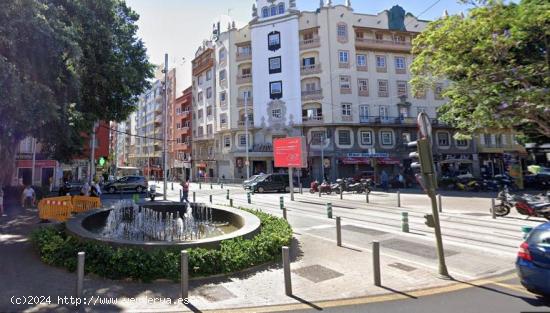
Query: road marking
[[374, 299], [515, 287]]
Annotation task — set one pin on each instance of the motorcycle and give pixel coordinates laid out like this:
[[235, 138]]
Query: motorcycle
[[325, 187], [468, 185], [525, 205], [152, 192], [349, 186]]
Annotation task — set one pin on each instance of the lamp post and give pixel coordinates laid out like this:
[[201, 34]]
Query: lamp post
[[247, 163], [322, 157], [165, 143]]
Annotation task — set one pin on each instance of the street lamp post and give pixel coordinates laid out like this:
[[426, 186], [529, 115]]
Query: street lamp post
[[165, 161], [322, 157], [247, 163]]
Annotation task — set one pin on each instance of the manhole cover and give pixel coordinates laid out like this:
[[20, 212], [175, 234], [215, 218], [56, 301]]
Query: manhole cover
[[476, 214], [368, 231], [403, 267], [215, 293], [317, 273], [414, 248]]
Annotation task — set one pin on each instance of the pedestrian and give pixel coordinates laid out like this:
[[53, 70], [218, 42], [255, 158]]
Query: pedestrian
[[95, 190], [2, 201], [85, 190], [384, 180], [401, 180], [184, 190], [28, 194]]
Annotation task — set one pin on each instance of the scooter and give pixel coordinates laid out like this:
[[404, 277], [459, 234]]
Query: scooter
[[152, 192], [526, 205], [325, 187]]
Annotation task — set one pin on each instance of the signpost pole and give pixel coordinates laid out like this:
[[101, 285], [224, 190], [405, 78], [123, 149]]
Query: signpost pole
[[291, 183]]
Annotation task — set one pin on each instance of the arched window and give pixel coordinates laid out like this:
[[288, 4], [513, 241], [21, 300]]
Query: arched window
[[281, 8], [265, 12], [273, 10]]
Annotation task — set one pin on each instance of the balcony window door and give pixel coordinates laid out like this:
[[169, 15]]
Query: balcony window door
[[384, 113], [364, 113]]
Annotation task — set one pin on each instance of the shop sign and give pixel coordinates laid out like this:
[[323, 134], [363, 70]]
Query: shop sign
[[367, 155]]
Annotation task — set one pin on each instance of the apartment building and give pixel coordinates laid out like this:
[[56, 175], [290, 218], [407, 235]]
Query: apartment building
[[180, 136], [337, 77]]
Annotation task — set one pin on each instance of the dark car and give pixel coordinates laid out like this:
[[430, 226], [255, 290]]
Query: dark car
[[271, 182], [252, 179], [133, 183], [533, 261]]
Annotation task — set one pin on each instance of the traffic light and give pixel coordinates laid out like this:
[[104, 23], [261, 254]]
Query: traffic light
[[424, 155], [430, 222]]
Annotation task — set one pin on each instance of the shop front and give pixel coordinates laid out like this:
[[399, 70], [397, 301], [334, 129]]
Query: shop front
[[368, 165], [45, 172], [452, 165]]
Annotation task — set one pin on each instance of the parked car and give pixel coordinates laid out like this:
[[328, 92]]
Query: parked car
[[135, 183], [270, 182], [252, 179], [533, 261]]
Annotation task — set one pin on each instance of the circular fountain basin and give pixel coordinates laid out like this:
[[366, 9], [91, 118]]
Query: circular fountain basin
[[230, 223]]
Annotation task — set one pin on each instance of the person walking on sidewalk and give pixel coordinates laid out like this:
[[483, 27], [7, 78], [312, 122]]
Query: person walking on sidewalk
[[184, 190], [28, 195], [384, 180]]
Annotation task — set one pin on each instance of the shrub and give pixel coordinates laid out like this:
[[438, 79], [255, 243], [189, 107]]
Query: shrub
[[59, 249]]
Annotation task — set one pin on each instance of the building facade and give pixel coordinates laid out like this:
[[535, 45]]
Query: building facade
[[180, 136], [337, 77]]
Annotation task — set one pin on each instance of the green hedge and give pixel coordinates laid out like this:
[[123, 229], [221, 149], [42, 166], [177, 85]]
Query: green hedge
[[59, 249]]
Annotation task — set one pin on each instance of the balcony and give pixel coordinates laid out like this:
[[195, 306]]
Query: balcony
[[224, 125], [312, 94], [347, 118], [310, 43], [158, 120], [249, 102], [244, 79], [363, 93], [183, 130], [310, 69], [184, 114], [343, 65], [243, 56], [345, 90], [202, 137], [241, 123], [312, 120], [382, 45]]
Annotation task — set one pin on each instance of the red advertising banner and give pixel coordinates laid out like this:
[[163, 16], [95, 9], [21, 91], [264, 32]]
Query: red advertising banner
[[290, 152]]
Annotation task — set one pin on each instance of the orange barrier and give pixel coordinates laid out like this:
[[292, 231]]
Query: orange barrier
[[61, 208]]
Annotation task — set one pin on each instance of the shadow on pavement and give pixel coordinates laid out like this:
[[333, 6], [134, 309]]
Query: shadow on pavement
[[312, 305], [398, 292]]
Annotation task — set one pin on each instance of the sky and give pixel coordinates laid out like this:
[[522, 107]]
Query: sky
[[178, 27]]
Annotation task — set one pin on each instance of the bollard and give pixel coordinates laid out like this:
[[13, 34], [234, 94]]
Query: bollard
[[172, 185], [227, 195], [281, 203], [194, 198], [367, 196], [135, 198], [440, 203], [376, 263], [493, 208], [210, 197], [184, 274], [526, 230], [329, 210], [231, 202], [248, 198], [341, 193], [200, 185], [338, 232], [319, 192], [398, 199], [211, 187], [80, 274], [222, 185], [301, 190], [405, 222], [286, 266], [284, 214]]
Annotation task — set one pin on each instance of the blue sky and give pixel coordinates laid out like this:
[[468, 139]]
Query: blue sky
[[177, 27]]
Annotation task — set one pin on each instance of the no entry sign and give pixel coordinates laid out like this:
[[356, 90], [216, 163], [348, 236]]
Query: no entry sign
[[289, 152]]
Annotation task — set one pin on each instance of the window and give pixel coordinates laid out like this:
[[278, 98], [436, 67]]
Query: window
[[222, 55], [227, 142], [222, 75], [273, 10], [317, 137], [344, 137], [208, 75], [246, 72], [379, 36], [363, 111], [274, 65], [461, 143], [343, 56], [383, 110], [366, 137], [399, 38], [201, 131], [276, 113], [400, 65], [346, 109], [387, 138], [222, 96], [382, 88], [265, 12], [242, 140], [401, 88], [200, 114], [281, 8], [363, 87], [308, 62], [274, 41], [345, 82], [362, 60], [209, 110], [223, 118], [208, 92], [342, 31], [200, 96], [209, 129], [438, 91], [276, 90], [380, 62], [200, 79], [443, 139], [178, 125]]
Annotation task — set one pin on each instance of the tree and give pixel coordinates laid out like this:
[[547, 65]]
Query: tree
[[63, 65], [496, 62]]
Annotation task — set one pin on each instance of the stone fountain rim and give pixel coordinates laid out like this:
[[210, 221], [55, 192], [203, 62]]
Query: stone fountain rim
[[250, 229]]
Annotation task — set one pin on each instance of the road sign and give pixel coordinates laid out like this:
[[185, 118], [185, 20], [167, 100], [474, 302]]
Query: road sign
[[424, 125], [290, 152]]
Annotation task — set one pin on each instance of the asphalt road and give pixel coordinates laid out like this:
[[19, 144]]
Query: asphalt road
[[503, 297]]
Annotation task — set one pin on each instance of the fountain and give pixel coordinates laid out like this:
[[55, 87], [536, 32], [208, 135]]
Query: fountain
[[161, 224]]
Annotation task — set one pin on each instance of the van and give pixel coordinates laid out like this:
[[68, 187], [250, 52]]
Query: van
[[271, 182]]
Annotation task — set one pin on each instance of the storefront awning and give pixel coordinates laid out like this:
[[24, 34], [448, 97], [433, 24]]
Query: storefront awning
[[37, 163], [355, 160], [388, 161]]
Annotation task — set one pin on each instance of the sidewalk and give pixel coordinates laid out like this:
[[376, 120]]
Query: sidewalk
[[320, 271]]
